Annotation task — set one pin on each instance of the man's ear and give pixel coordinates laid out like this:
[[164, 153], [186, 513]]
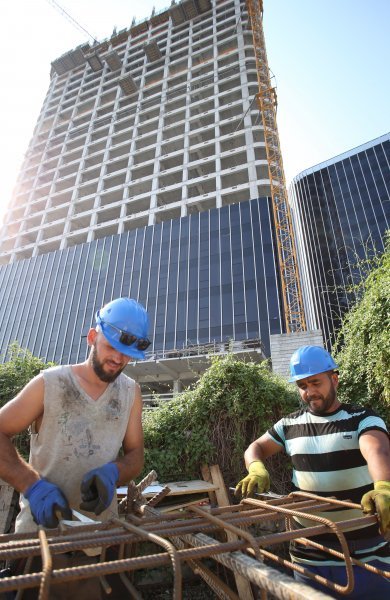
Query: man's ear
[[335, 379], [91, 337]]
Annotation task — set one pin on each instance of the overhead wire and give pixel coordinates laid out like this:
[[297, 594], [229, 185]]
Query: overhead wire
[[71, 20], [239, 67]]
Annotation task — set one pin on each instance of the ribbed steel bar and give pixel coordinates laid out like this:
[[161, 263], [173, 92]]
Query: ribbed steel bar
[[111, 537], [343, 589], [219, 587], [275, 582], [160, 541], [149, 520], [240, 533], [187, 526], [47, 565]]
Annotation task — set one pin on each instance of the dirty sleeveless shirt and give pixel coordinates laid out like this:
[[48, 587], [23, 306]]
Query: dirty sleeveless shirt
[[77, 434]]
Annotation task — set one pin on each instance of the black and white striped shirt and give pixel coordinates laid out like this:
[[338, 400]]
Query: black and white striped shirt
[[326, 457]]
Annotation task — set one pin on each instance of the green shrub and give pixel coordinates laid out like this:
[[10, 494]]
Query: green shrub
[[363, 342], [20, 367], [233, 403]]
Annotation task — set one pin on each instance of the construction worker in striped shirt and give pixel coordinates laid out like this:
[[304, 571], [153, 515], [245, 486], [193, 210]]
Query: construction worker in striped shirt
[[339, 450]]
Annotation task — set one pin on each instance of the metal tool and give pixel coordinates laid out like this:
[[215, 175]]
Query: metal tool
[[83, 518], [266, 495], [80, 519]]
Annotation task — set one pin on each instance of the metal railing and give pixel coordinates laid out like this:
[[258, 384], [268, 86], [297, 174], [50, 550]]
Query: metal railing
[[212, 348]]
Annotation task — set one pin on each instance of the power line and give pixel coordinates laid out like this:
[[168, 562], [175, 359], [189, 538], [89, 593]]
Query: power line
[[73, 21]]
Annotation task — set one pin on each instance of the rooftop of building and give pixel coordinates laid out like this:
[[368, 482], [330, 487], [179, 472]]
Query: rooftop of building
[[342, 156], [179, 12]]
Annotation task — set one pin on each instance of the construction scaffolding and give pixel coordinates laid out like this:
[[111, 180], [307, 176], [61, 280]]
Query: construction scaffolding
[[231, 535], [267, 103]]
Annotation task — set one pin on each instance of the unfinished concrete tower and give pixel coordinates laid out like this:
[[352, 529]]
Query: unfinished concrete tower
[[148, 175]]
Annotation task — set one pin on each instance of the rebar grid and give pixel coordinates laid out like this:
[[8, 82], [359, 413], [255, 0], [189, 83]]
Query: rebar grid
[[187, 542], [160, 541], [47, 566], [289, 513]]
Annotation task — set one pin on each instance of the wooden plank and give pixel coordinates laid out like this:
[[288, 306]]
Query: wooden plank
[[8, 501], [243, 585], [205, 470], [178, 488], [173, 507]]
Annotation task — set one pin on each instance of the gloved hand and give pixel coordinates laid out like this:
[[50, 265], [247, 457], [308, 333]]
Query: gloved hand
[[258, 478], [98, 487], [378, 501], [45, 500]]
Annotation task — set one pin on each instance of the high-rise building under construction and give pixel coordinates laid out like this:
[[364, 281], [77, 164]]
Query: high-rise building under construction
[[148, 175]]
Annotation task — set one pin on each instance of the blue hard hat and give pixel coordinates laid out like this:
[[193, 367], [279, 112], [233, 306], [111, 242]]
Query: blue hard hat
[[125, 323], [310, 360]]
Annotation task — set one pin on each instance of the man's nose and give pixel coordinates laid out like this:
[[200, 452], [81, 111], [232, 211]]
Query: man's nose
[[309, 390], [117, 356]]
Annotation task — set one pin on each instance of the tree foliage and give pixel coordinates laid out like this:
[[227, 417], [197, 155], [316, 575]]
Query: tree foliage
[[233, 403], [20, 367], [363, 343]]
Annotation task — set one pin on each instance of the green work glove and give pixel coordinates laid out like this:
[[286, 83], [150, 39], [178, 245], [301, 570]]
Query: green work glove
[[258, 478], [378, 501]]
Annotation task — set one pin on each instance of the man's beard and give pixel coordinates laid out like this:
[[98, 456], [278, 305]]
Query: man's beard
[[99, 370], [326, 403]]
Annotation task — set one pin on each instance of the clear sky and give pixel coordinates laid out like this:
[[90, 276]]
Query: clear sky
[[330, 59]]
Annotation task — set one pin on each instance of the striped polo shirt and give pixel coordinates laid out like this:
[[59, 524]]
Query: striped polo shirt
[[327, 460]]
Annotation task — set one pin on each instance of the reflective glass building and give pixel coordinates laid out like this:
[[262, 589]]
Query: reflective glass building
[[341, 210], [205, 278]]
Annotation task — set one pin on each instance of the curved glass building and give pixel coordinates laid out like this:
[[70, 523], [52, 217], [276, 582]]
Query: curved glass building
[[341, 210]]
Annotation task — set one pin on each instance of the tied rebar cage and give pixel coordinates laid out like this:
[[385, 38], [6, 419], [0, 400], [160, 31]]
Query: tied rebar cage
[[229, 535]]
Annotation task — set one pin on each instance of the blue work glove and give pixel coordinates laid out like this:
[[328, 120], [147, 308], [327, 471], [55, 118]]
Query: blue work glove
[[98, 487], [46, 499]]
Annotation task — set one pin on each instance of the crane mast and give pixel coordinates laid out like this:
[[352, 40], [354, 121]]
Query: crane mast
[[267, 103]]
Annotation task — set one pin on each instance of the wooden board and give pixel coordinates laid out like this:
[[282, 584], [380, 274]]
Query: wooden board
[[173, 507], [178, 488], [243, 585], [8, 501], [205, 470]]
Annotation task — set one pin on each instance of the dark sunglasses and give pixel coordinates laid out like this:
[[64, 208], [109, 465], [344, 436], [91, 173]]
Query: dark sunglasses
[[128, 339]]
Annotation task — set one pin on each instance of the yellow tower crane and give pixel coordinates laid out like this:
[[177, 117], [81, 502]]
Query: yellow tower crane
[[267, 103]]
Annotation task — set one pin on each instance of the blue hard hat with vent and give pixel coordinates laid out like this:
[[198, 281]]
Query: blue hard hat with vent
[[310, 360], [125, 323]]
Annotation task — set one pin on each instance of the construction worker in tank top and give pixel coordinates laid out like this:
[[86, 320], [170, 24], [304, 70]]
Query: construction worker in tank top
[[85, 423]]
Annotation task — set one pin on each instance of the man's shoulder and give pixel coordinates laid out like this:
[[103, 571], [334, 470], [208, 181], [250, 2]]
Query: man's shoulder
[[293, 416], [126, 381], [54, 371], [358, 410], [297, 413]]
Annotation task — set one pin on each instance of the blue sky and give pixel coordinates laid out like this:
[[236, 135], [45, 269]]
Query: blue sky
[[330, 60]]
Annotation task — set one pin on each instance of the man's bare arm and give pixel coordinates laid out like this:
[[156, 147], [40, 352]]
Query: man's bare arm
[[130, 465], [261, 449], [16, 416], [375, 447]]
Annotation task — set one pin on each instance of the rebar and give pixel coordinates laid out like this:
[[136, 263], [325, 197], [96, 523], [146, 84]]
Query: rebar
[[160, 541], [182, 536], [47, 565]]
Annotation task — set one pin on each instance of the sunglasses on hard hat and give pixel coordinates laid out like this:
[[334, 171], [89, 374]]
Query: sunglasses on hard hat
[[128, 339]]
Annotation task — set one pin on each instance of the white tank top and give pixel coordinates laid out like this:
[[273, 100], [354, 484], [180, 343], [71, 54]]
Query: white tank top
[[76, 435]]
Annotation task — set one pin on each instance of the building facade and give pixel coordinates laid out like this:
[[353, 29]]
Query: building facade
[[147, 176], [203, 278], [154, 124], [341, 211]]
